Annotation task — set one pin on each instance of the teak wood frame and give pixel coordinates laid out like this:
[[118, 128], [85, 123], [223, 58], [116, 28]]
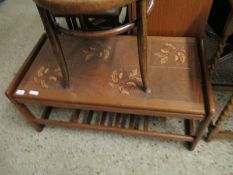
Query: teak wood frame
[[53, 29], [193, 136]]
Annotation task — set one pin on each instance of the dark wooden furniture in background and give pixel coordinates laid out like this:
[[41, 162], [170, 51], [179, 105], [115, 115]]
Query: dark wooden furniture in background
[[219, 15], [180, 82], [225, 32]]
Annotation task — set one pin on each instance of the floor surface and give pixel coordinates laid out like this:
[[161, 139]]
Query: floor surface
[[61, 151]]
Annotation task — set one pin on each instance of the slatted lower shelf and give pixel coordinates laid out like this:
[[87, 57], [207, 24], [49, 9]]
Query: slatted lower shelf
[[115, 125]]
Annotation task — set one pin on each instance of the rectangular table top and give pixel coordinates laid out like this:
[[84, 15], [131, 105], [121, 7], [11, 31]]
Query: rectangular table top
[[105, 75]]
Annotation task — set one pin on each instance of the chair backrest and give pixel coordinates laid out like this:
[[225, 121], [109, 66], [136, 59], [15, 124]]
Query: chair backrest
[[69, 7], [179, 18]]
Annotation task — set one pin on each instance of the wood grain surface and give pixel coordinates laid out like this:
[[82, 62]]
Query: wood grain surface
[[176, 87]]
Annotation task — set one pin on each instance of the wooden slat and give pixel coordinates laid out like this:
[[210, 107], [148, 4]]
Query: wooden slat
[[132, 121], [89, 117], [69, 23], [97, 34], [123, 121], [74, 22], [75, 116], [189, 127], [146, 123], [169, 136], [110, 119], [137, 122], [82, 22], [46, 113], [103, 119], [117, 120]]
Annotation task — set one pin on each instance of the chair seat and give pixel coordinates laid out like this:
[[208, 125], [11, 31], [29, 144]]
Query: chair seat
[[81, 6]]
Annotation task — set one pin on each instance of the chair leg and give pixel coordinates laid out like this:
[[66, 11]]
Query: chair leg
[[142, 42], [55, 44]]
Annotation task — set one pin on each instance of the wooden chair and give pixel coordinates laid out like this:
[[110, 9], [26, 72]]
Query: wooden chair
[[79, 7]]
